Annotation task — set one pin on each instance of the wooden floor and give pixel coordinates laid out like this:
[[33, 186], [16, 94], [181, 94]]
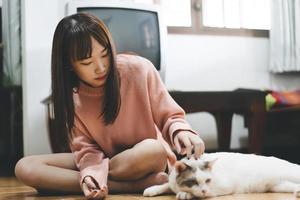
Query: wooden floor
[[11, 189]]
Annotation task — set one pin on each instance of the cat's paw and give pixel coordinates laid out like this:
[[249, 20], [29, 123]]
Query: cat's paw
[[184, 195], [152, 191]]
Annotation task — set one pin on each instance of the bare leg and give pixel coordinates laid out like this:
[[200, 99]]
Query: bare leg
[[141, 167], [57, 172], [146, 157]]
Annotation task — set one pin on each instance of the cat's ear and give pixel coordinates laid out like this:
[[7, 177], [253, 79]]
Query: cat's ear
[[181, 166], [208, 164]]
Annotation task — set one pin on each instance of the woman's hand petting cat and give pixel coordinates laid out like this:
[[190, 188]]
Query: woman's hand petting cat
[[91, 190], [187, 142]]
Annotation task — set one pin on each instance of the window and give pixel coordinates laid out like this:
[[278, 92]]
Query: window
[[216, 17], [177, 12], [248, 14]]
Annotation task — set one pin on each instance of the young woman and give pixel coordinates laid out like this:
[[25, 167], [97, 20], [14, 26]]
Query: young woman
[[114, 111]]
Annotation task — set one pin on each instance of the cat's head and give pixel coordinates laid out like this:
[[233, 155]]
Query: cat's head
[[194, 176]]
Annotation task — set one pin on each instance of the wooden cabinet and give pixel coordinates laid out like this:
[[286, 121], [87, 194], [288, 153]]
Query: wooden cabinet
[[11, 134], [222, 105]]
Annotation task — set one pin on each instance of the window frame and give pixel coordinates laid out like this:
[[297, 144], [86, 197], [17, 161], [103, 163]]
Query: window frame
[[199, 29]]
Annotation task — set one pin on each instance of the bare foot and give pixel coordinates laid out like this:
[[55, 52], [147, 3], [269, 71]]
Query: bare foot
[[160, 178], [152, 179]]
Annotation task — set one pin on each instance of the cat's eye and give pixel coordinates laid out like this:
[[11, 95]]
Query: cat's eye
[[208, 180], [190, 183]]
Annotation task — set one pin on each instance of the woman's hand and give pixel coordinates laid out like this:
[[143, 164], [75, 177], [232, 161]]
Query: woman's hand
[[187, 142], [91, 189]]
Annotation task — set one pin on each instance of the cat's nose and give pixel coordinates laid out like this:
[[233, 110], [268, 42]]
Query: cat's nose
[[204, 191]]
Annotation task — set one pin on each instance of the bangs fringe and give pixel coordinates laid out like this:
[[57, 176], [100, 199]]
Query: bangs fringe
[[80, 45]]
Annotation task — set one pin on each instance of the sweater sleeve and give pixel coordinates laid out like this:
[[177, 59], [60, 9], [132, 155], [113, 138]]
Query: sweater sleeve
[[167, 114], [89, 158]]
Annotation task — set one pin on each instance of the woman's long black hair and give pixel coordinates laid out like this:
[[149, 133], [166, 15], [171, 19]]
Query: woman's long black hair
[[72, 42]]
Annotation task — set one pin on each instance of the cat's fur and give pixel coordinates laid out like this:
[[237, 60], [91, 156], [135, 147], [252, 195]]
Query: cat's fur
[[223, 173]]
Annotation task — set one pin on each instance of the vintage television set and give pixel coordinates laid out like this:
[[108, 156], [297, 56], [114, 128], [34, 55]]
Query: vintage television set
[[134, 27]]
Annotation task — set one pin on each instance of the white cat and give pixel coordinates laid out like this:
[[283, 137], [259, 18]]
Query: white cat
[[216, 174]]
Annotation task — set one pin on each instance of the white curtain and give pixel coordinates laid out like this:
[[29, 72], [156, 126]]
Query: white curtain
[[11, 32], [285, 36]]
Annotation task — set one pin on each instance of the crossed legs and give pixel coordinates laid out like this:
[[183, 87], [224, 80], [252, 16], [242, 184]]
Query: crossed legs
[[132, 170]]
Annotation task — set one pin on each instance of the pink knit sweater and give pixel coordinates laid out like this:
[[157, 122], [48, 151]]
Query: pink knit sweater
[[147, 111]]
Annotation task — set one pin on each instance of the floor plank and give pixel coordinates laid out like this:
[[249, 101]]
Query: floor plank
[[11, 189]]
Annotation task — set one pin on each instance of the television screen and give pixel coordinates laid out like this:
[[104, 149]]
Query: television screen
[[132, 30]]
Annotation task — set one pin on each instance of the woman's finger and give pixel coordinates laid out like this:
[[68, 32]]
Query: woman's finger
[[101, 194], [198, 145], [87, 193], [187, 143], [96, 195], [198, 149], [90, 183], [177, 144]]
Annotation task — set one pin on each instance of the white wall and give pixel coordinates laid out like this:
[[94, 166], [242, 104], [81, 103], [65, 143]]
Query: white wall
[[194, 63], [217, 62], [39, 19]]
